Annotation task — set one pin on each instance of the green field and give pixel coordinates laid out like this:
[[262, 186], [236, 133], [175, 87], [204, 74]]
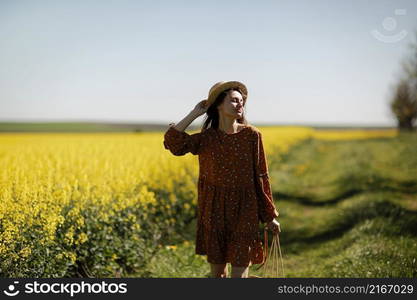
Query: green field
[[15, 127], [347, 209]]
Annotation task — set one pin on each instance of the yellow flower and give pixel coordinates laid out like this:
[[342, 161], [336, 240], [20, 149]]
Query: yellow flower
[[25, 252], [82, 238]]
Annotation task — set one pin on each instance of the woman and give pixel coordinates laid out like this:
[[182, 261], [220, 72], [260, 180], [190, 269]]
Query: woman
[[234, 192]]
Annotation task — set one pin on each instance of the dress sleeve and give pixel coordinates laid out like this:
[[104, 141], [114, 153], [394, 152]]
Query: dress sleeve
[[267, 210], [180, 142]]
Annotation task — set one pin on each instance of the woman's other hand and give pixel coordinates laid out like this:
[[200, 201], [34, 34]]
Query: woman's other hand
[[274, 226]]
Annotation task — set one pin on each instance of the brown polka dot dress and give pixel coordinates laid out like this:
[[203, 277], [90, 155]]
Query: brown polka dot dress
[[234, 193]]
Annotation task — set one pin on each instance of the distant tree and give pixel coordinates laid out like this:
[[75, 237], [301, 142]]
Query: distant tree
[[404, 99], [404, 105]]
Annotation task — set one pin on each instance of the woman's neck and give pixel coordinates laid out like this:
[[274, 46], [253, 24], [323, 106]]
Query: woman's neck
[[229, 125]]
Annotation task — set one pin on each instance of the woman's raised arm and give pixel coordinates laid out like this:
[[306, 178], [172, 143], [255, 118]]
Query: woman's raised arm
[[177, 140]]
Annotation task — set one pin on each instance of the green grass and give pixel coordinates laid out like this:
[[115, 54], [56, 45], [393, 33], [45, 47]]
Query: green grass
[[352, 212], [56, 127]]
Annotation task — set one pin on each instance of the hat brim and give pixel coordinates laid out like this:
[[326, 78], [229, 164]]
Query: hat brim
[[225, 86]]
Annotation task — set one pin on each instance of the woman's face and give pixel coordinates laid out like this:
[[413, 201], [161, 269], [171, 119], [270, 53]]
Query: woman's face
[[232, 105]]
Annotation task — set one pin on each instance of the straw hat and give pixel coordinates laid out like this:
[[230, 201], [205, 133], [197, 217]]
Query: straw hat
[[221, 86]]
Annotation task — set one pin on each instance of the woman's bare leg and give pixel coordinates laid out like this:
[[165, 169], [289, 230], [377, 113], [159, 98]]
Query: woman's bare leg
[[240, 272], [218, 270]]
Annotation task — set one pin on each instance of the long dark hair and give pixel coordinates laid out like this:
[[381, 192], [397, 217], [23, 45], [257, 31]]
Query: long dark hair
[[212, 115]]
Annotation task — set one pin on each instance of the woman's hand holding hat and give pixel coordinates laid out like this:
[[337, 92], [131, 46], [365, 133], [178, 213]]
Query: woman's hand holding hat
[[200, 108]]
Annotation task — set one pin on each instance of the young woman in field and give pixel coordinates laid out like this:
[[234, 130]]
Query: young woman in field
[[234, 193]]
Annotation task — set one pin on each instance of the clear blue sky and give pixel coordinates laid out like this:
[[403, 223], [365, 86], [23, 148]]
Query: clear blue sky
[[314, 62]]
